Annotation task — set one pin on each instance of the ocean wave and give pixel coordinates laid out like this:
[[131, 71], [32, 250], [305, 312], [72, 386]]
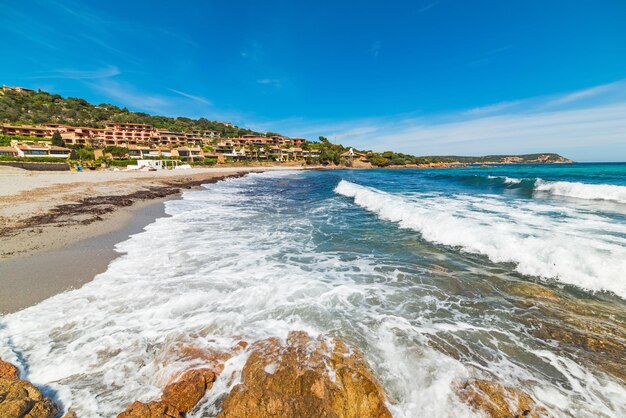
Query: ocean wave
[[506, 180], [249, 258], [582, 190], [567, 248]]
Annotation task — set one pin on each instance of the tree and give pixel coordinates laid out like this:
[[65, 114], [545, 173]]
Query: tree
[[57, 141]]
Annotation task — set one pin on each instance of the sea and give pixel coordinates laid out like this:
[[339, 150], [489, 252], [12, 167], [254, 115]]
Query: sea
[[436, 275]]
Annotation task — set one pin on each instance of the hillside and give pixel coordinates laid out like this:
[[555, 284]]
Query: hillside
[[40, 107], [397, 159], [503, 159]]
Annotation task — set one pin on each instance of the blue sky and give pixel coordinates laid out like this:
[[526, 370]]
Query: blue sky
[[423, 77]]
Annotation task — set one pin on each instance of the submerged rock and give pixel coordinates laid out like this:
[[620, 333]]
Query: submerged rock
[[588, 330], [305, 378], [20, 399], [499, 401]]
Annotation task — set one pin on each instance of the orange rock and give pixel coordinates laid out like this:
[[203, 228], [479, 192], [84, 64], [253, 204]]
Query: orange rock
[[183, 393], [20, 399], [8, 371], [499, 401], [305, 378], [150, 410], [187, 391], [209, 358]]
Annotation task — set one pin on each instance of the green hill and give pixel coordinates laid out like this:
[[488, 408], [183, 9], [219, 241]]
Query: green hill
[[40, 108]]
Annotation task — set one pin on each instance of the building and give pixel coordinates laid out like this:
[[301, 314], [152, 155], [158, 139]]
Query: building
[[8, 152], [124, 134], [351, 153], [236, 155], [165, 137], [75, 135], [41, 150], [28, 130], [137, 151], [144, 141], [203, 134], [79, 135], [190, 153], [17, 89]]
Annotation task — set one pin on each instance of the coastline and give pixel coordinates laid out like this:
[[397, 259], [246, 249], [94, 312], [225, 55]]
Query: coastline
[[59, 230], [71, 262]]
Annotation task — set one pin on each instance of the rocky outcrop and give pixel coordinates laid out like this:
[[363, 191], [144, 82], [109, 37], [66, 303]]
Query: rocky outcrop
[[186, 392], [154, 409], [179, 397], [305, 378], [20, 399], [499, 401], [8, 371]]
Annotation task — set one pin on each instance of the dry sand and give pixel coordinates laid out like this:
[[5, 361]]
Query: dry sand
[[58, 229]]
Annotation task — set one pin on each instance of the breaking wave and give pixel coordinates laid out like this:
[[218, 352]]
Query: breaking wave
[[575, 247], [582, 190], [506, 180]]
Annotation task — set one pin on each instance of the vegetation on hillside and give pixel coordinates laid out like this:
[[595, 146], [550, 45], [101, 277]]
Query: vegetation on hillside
[[40, 108], [390, 158]]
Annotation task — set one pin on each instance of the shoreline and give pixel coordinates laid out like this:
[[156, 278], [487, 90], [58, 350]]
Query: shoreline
[[61, 233], [31, 278]]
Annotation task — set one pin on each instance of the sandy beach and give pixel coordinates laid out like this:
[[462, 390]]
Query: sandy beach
[[58, 229]]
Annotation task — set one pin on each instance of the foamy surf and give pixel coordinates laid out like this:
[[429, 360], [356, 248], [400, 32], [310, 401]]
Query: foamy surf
[[576, 248], [506, 180], [255, 257], [586, 191]]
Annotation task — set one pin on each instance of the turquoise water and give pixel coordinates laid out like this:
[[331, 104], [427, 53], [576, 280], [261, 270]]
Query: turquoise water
[[436, 275]]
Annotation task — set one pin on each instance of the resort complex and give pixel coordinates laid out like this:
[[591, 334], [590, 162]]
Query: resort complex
[[141, 141]]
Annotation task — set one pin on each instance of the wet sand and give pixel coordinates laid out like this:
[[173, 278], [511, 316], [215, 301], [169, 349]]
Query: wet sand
[[27, 280], [58, 230]]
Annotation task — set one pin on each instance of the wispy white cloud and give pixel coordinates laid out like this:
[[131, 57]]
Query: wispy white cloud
[[191, 96], [494, 108], [591, 130], [428, 7], [557, 131], [375, 48], [583, 94], [486, 57], [274, 82], [252, 51], [74, 74], [128, 96]]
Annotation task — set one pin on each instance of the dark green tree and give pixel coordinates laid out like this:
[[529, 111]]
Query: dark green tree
[[57, 141]]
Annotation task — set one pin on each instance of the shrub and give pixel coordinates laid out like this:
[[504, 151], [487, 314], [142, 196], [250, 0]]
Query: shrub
[[33, 159]]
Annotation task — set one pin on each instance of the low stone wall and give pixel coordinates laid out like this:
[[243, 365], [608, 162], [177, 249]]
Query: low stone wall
[[37, 166]]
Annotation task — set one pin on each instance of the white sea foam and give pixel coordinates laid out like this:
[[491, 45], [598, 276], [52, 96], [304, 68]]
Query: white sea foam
[[506, 180], [588, 191], [231, 263], [577, 248], [217, 271]]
